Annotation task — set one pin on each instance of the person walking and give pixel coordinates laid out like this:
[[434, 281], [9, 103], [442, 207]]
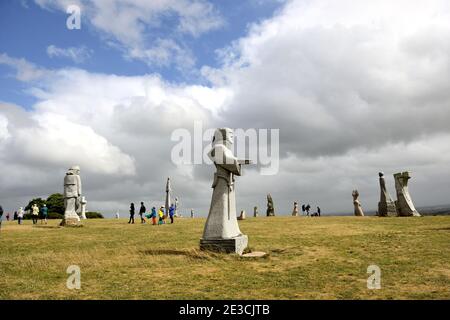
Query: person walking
[[15, 216], [153, 216], [44, 214], [131, 214], [1, 216], [34, 213], [20, 215], [142, 210], [303, 209], [318, 211], [171, 213], [307, 209], [7, 216]]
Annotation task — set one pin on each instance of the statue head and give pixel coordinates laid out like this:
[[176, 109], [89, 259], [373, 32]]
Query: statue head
[[223, 136], [75, 169]]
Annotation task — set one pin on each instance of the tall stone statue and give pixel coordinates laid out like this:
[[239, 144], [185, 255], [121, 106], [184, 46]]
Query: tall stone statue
[[168, 203], [222, 231], [386, 206], [404, 204], [270, 209], [176, 208], [72, 197], [358, 210], [295, 210], [255, 211], [83, 208]]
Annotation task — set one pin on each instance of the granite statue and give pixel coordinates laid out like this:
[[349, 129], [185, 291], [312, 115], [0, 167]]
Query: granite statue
[[221, 232], [358, 209], [295, 210], [386, 206], [404, 204], [72, 197]]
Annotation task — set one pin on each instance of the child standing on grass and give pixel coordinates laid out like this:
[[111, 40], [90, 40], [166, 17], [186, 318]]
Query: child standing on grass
[[153, 216], [161, 215]]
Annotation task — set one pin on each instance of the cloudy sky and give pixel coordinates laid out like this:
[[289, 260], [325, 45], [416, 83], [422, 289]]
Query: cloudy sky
[[354, 87]]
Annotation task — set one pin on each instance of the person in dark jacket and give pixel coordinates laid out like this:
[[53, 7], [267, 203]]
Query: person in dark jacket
[[171, 212], [142, 210], [44, 214], [131, 214], [318, 211], [1, 215]]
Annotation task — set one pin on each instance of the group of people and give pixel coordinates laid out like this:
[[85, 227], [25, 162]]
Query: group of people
[[306, 208], [35, 211], [161, 215]]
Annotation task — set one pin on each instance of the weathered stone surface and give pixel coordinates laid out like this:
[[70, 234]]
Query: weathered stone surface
[[221, 232], [70, 222], [72, 196], [386, 206], [270, 208], [404, 204], [295, 210], [358, 209], [232, 245], [83, 208], [255, 254]]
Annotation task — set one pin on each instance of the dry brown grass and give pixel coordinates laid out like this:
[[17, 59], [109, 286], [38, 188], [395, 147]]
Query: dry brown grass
[[308, 258]]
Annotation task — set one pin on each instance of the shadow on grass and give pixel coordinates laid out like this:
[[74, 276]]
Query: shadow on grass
[[47, 227], [441, 229], [192, 254]]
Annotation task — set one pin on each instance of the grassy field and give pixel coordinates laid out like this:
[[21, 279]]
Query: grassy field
[[308, 258]]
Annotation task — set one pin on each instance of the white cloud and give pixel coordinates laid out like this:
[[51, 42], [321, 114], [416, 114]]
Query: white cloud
[[25, 71], [355, 88], [137, 27], [76, 54]]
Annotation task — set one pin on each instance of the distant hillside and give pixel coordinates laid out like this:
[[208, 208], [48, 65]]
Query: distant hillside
[[439, 210]]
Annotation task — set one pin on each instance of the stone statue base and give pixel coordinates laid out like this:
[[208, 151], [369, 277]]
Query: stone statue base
[[70, 222], [233, 245], [387, 209]]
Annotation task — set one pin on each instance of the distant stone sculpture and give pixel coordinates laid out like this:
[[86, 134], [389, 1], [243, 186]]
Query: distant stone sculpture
[[222, 231], [72, 197], [404, 204], [168, 203], [83, 208], [255, 212], [242, 216], [386, 206], [270, 208], [295, 210], [358, 210], [176, 208]]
